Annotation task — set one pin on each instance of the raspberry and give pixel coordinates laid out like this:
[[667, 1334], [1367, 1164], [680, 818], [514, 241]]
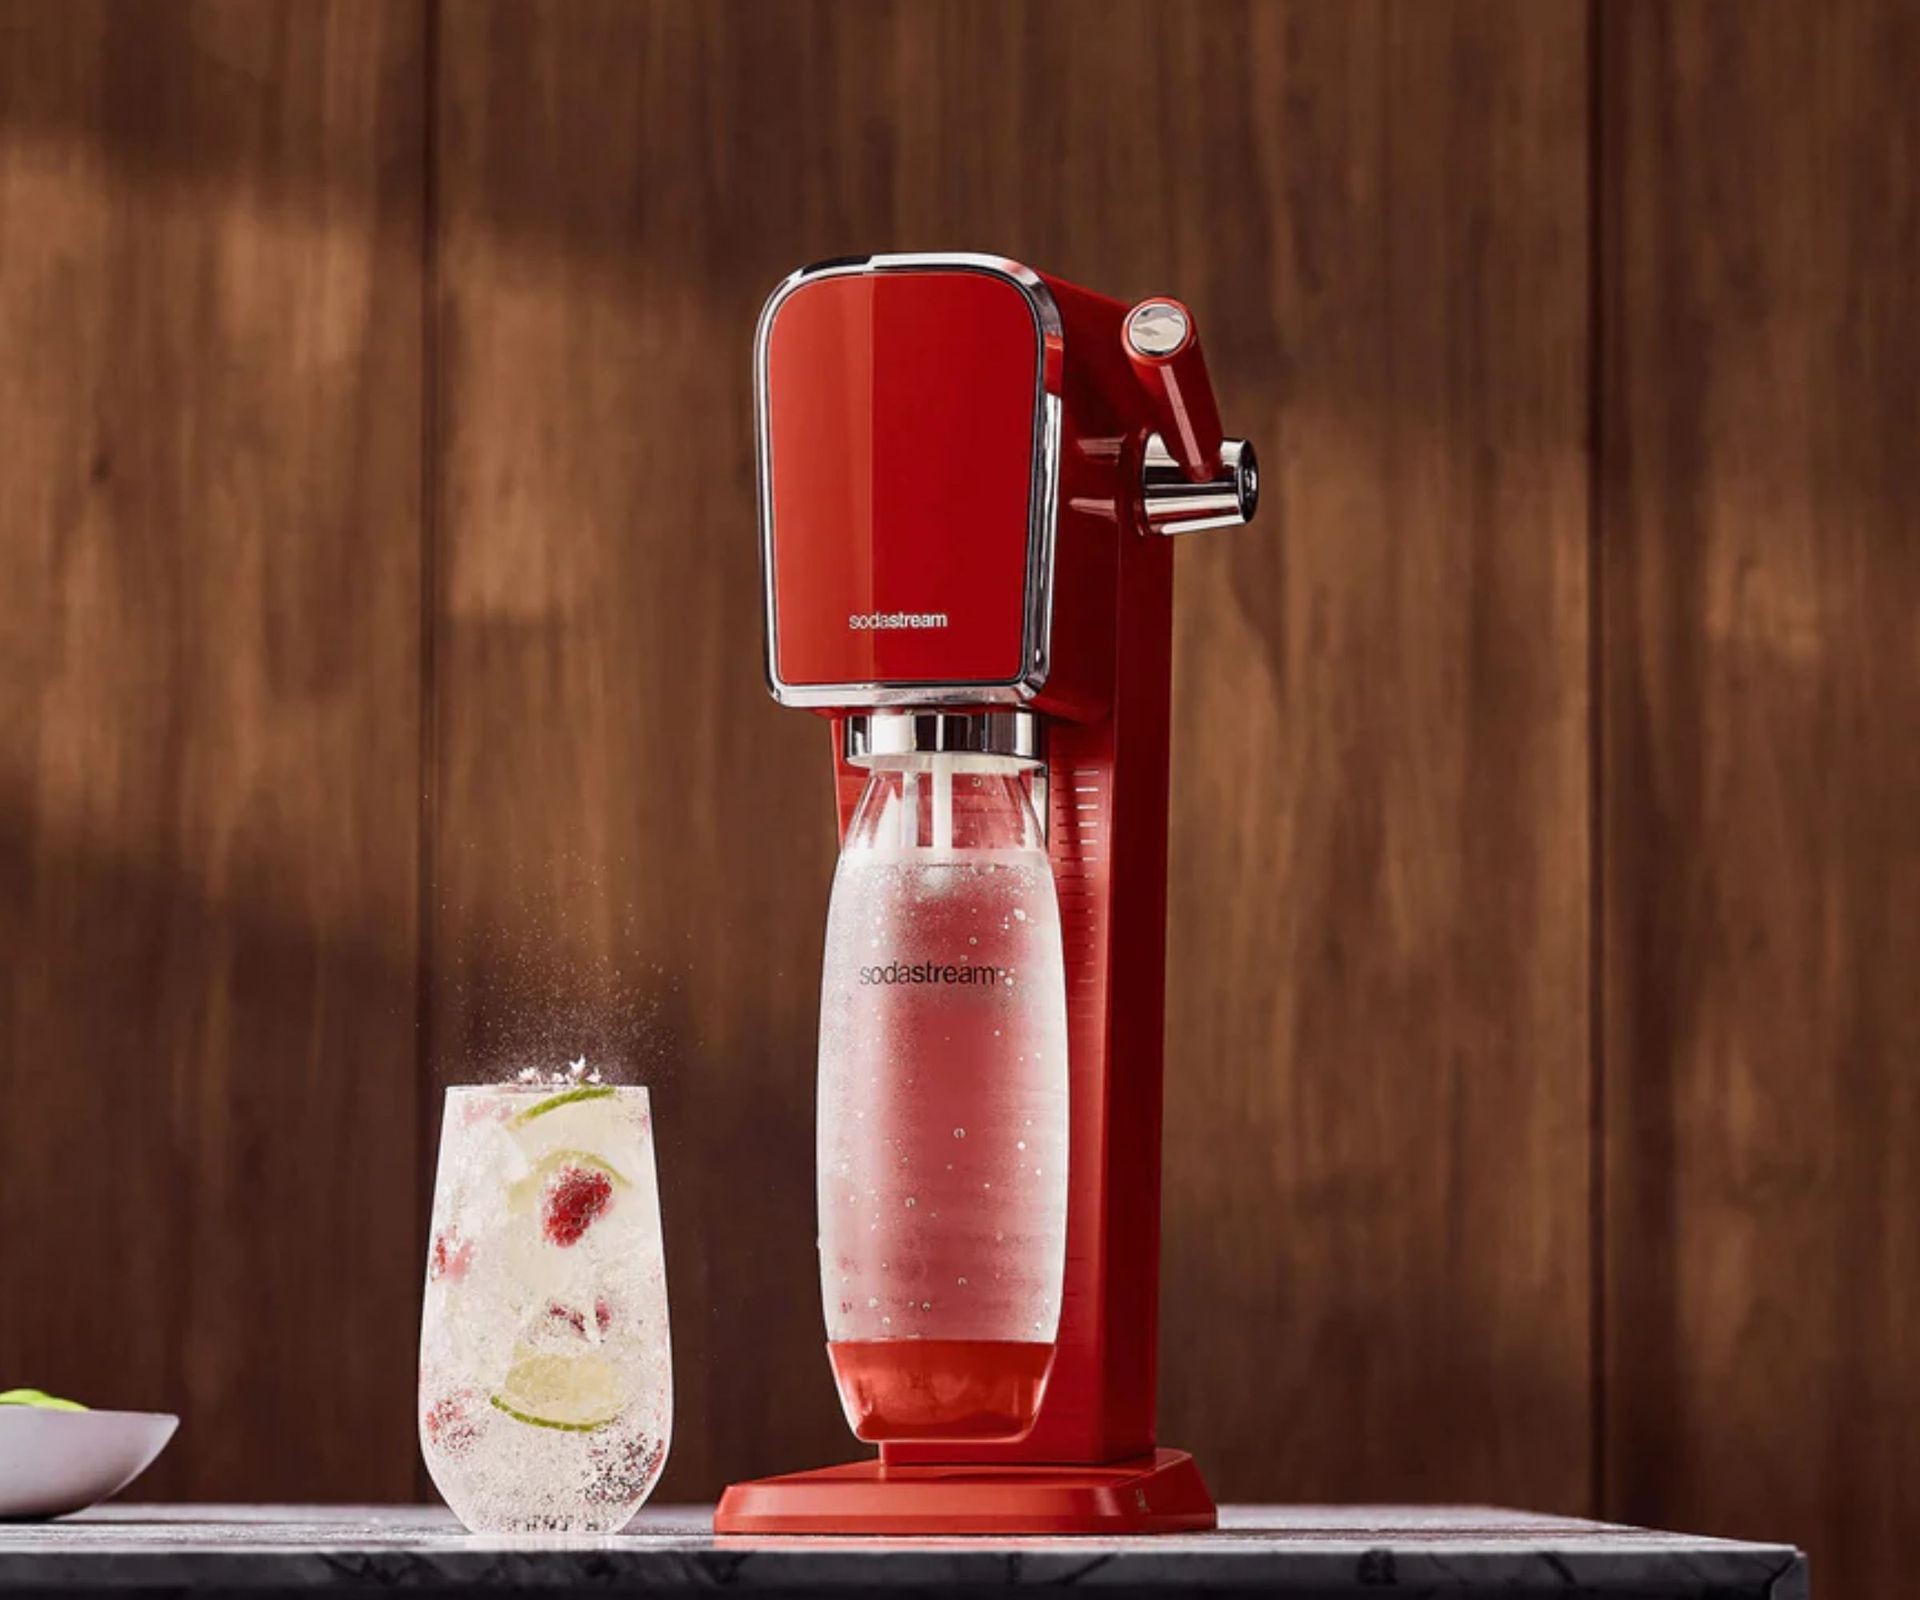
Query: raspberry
[[452, 1255], [449, 1424], [575, 1198], [577, 1320]]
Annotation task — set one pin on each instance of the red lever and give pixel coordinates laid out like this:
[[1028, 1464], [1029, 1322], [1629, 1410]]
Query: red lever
[[1164, 346]]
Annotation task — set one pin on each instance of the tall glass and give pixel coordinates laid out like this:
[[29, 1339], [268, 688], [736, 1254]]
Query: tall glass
[[546, 1389]]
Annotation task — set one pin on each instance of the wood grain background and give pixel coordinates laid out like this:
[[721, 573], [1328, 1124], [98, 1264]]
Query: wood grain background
[[210, 555], [380, 703], [1759, 534]]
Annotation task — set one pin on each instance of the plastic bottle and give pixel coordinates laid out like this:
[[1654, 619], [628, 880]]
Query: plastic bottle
[[943, 1105]]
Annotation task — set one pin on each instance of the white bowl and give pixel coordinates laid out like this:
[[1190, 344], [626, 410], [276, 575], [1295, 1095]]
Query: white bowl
[[55, 1462]]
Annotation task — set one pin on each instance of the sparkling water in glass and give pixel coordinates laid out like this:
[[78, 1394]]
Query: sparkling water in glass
[[546, 1392]]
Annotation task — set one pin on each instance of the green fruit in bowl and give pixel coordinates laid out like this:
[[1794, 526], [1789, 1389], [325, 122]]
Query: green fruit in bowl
[[39, 1399]]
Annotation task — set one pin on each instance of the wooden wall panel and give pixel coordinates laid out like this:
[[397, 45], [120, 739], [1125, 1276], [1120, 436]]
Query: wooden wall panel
[[1761, 534], [1377, 1137], [1377, 1140], [209, 537]]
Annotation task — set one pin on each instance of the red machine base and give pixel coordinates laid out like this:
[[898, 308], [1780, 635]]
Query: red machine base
[[1161, 1493]]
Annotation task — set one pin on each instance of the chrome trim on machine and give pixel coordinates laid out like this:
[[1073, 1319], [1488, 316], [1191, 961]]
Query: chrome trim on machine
[[1005, 735]]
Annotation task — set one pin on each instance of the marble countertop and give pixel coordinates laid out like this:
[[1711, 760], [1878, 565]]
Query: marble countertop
[[1322, 1551]]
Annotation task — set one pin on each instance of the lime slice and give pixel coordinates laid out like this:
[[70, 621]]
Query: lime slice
[[575, 1394], [524, 1192], [39, 1399], [567, 1097]]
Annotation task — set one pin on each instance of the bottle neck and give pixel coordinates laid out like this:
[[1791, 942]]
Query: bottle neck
[[938, 803]]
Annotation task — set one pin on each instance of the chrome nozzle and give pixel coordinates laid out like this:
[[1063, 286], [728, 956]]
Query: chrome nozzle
[[1171, 502]]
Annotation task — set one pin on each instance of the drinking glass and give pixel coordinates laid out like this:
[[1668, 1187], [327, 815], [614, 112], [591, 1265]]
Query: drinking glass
[[546, 1392]]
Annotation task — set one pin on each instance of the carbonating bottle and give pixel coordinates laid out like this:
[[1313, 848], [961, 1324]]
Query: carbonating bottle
[[942, 1138]]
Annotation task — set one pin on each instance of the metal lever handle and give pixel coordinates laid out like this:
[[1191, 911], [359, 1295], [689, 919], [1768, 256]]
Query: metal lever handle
[[1171, 502], [1164, 346]]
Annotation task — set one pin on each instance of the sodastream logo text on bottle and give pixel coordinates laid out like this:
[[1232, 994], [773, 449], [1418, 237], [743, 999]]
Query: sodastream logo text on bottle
[[933, 972]]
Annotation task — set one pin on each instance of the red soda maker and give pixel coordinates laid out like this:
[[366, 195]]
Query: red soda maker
[[969, 473]]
